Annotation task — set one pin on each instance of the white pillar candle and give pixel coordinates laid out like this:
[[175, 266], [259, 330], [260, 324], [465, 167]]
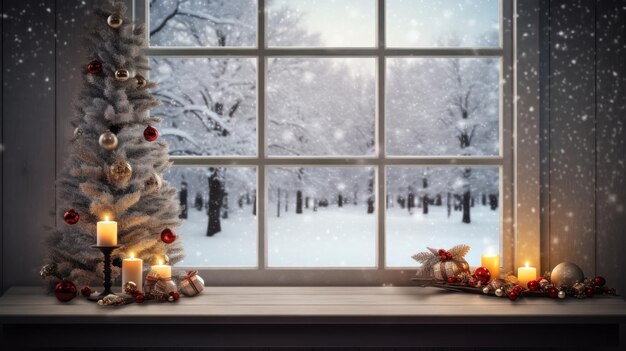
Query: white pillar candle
[[106, 233], [526, 274], [132, 271], [163, 270], [492, 263]]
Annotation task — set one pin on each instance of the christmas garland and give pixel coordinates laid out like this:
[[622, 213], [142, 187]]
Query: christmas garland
[[480, 282]]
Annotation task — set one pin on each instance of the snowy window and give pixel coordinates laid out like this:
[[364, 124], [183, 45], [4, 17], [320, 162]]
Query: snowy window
[[333, 133]]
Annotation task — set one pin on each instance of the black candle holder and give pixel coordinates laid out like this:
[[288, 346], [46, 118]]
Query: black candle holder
[[106, 251]]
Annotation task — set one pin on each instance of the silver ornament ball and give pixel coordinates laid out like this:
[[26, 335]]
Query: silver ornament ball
[[486, 290], [499, 292], [108, 140], [561, 294], [566, 274], [122, 74], [115, 21]]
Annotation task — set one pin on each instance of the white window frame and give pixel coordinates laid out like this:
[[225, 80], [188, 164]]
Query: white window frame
[[519, 240]]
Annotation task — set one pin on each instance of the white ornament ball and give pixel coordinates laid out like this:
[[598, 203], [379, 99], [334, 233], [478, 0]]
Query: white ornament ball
[[561, 294], [566, 274], [486, 290], [108, 140], [499, 292]]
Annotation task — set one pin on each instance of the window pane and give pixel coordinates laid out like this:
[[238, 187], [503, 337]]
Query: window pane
[[443, 106], [443, 23], [208, 105], [321, 217], [217, 235], [322, 23], [321, 106], [203, 23], [426, 207]]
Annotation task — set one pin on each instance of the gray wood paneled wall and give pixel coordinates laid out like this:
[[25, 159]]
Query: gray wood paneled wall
[[583, 111]]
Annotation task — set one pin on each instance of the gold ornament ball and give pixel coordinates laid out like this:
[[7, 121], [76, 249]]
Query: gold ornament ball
[[141, 81], [566, 274], [119, 173], [115, 21], [108, 140], [154, 183], [122, 74]]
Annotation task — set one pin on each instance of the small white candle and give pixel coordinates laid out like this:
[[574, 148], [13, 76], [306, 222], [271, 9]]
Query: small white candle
[[132, 271], [163, 270], [106, 232], [526, 274]]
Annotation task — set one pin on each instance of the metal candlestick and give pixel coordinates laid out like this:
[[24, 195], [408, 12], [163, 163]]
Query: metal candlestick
[[106, 251]]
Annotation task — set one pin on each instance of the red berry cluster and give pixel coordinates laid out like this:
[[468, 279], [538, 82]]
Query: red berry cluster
[[445, 255]]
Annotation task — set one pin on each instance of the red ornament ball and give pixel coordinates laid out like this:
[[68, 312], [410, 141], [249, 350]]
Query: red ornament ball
[[94, 67], [139, 298], [589, 292], [65, 290], [512, 295], [518, 289], [451, 280], [71, 216], [175, 295], [85, 291], [533, 285], [599, 281], [482, 274], [168, 236], [554, 292], [150, 133]]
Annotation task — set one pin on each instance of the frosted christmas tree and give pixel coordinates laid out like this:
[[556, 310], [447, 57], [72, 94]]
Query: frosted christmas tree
[[116, 161]]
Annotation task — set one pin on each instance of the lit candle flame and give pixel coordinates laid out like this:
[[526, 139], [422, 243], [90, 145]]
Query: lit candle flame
[[160, 262], [132, 255], [106, 218], [526, 264]]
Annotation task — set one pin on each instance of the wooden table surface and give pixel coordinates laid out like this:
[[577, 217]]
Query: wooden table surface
[[315, 305]]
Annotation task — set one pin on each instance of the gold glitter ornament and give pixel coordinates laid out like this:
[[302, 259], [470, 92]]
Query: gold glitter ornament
[[119, 173]]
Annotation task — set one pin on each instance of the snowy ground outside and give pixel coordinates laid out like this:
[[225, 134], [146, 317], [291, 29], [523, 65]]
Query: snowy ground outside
[[234, 246], [336, 237], [330, 237], [409, 234]]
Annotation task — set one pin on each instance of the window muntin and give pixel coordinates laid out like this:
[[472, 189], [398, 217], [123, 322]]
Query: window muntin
[[382, 163]]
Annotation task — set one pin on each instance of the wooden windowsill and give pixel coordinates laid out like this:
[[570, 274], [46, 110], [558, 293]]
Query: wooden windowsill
[[320, 310]]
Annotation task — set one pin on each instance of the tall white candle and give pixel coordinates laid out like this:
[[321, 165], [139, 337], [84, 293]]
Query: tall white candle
[[163, 270], [106, 232], [132, 271]]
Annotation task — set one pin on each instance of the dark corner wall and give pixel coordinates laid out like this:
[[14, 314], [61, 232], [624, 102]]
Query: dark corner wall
[[583, 111]]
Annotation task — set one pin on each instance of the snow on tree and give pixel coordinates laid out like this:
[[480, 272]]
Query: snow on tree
[[113, 169]]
